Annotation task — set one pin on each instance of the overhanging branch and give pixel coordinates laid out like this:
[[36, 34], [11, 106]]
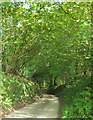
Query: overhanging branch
[[68, 13]]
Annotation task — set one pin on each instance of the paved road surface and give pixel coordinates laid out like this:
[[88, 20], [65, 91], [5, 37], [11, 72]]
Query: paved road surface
[[46, 107]]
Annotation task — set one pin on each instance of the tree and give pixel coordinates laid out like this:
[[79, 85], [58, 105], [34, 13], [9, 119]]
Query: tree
[[47, 39]]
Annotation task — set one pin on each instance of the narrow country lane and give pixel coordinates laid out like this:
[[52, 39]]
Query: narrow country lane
[[46, 107]]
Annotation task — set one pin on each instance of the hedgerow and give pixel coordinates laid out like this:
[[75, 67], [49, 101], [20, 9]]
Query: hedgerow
[[17, 90], [77, 102]]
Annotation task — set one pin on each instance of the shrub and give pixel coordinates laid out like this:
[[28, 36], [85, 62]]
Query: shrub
[[16, 89], [77, 100]]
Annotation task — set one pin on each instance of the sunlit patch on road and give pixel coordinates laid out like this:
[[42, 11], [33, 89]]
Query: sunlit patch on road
[[46, 107]]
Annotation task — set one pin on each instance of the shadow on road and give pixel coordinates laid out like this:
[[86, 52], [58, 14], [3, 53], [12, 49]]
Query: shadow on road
[[60, 107]]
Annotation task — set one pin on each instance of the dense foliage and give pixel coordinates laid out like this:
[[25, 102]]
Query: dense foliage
[[77, 100], [17, 91], [50, 42]]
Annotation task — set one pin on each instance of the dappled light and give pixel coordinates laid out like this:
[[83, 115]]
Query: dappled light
[[46, 59], [39, 109]]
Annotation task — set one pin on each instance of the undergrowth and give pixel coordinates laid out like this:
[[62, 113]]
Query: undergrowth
[[16, 91], [77, 100]]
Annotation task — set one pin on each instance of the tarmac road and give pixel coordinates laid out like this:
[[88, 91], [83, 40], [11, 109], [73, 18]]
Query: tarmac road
[[45, 107]]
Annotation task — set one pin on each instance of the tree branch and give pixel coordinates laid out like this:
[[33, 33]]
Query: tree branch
[[68, 13]]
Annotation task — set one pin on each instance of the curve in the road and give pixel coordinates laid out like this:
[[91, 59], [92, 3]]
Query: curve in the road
[[46, 107]]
